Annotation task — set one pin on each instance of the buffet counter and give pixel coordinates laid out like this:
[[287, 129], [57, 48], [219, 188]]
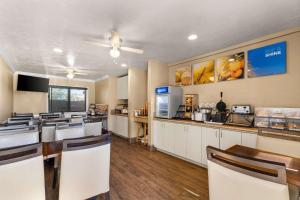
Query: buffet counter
[[209, 125], [266, 132]]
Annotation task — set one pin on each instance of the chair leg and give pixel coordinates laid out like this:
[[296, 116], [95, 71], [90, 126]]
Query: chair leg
[[107, 196]]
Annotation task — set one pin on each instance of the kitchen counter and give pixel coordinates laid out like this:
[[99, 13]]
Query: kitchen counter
[[266, 132], [120, 114], [210, 125]]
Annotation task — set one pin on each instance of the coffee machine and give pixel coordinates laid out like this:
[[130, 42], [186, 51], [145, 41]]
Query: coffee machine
[[191, 102]]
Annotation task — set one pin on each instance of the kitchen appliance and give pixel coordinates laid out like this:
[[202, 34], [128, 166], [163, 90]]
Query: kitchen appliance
[[191, 102], [222, 113], [241, 109], [167, 101], [203, 114], [241, 115]]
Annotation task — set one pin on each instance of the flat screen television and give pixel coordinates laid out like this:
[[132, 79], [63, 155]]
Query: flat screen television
[[32, 83]]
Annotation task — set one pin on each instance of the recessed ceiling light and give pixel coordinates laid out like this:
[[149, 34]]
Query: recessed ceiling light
[[231, 59], [57, 50], [124, 65], [192, 37]]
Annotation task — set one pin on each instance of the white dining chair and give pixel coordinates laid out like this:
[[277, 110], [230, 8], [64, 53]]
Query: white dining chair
[[22, 173], [18, 138], [76, 120], [85, 165], [93, 128], [237, 178], [68, 132], [48, 132]]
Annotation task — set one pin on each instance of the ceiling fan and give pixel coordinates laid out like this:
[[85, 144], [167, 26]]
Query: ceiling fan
[[115, 45], [71, 71]]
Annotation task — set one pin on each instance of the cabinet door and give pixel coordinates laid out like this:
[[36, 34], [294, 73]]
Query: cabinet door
[[249, 139], [179, 134], [229, 138], [210, 137], [157, 134], [193, 143], [168, 136], [125, 126]]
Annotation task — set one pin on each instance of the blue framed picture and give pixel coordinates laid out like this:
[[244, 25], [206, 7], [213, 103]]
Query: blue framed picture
[[267, 60]]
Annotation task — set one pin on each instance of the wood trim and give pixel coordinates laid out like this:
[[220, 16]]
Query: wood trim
[[86, 142], [262, 169], [15, 154]]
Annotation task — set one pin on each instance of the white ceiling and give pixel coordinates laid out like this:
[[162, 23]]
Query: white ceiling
[[30, 29]]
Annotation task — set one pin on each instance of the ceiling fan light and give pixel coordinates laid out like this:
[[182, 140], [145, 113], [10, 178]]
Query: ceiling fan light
[[70, 76], [115, 53]]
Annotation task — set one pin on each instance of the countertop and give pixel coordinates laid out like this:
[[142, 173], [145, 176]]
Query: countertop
[[202, 124], [120, 114], [266, 132]]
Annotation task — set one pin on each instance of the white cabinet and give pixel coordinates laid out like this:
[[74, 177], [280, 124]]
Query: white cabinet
[[179, 132], [193, 143], [163, 136], [122, 87], [210, 137], [119, 125], [190, 141], [249, 139], [229, 138]]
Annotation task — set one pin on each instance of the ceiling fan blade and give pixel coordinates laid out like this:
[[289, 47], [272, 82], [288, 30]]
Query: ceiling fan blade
[[56, 66], [79, 73], [98, 43], [133, 50], [88, 71]]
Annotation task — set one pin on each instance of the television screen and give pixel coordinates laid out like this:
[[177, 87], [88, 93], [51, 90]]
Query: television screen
[[32, 83]]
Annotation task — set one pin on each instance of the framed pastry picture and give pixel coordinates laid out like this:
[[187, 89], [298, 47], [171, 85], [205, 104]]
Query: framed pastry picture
[[183, 76], [267, 60], [230, 67], [204, 72]]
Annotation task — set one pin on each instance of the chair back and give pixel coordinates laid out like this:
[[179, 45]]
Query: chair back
[[22, 173], [76, 120], [233, 177], [68, 132], [85, 165], [93, 128], [48, 132], [18, 138]]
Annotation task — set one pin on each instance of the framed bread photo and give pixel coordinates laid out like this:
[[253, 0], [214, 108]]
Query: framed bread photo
[[183, 76], [204, 72], [230, 67]]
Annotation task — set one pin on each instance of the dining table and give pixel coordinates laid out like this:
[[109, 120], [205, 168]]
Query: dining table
[[292, 164]]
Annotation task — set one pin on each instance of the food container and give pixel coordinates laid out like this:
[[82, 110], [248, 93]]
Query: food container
[[293, 124], [262, 122], [277, 123]]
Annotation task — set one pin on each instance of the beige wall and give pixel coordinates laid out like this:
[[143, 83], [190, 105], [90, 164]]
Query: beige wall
[[276, 91], [157, 76], [37, 102], [106, 92], [6, 91], [137, 95]]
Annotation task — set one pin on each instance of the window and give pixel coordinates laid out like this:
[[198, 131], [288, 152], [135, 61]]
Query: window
[[67, 99]]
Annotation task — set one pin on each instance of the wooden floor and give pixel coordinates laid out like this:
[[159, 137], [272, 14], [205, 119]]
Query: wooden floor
[[138, 174]]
